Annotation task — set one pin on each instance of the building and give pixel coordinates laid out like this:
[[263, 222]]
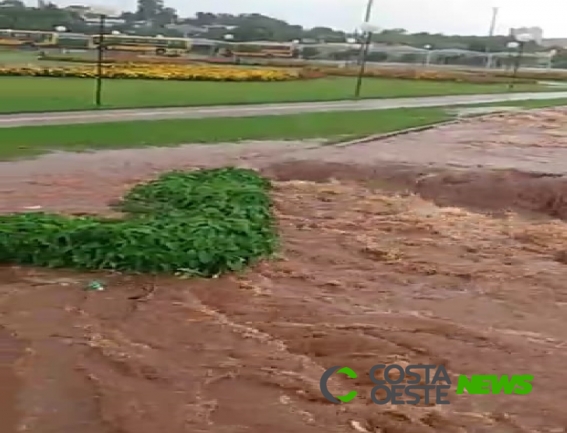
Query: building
[[554, 43], [535, 32], [186, 29]]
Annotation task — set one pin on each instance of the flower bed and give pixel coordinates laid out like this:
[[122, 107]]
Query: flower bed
[[222, 69], [423, 74], [135, 58], [161, 72], [533, 75]]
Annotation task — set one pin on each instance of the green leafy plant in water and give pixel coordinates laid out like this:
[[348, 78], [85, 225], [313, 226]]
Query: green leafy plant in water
[[203, 222]]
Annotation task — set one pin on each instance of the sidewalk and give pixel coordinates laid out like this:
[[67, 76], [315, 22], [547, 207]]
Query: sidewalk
[[125, 115]]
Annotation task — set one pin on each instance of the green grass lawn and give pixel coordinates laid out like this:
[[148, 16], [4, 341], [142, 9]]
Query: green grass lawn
[[10, 57], [30, 141], [28, 94], [26, 58], [529, 104]]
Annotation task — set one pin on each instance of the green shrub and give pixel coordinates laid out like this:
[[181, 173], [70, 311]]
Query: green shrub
[[202, 223]]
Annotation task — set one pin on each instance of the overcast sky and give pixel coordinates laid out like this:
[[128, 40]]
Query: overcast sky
[[444, 16]]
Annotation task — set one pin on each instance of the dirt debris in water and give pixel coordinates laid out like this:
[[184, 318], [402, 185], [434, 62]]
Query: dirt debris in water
[[386, 258]]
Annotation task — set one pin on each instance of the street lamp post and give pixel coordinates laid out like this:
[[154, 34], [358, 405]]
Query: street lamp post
[[428, 55], [99, 60], [230, 37], [102, 13], [368, 29], [520, 45], [490, 36], [367, 17], [513, 45], [60, 29], [296, 48], [552, 54], [349, 60]]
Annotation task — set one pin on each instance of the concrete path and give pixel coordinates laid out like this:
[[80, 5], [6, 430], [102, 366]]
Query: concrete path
[[103, 116]]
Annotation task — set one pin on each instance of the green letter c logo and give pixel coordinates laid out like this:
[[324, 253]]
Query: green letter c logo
[[341, 398]]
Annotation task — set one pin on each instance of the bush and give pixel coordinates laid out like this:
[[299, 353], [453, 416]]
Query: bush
[[201, 223]]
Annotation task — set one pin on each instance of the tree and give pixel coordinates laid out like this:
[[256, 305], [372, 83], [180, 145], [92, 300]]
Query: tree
[[165, 16], [245, 27], [204, 18], [129, 17], [324, 34], [15, 17], [148, 10], [16, 4]]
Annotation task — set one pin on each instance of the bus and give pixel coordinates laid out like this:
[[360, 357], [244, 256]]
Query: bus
[[27, 38], [160, 45], [73, 41], [265, 50]]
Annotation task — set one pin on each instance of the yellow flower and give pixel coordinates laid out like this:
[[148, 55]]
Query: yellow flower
[[158, 72]]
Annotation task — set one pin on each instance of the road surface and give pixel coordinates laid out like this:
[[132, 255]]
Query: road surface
[[124, 115]]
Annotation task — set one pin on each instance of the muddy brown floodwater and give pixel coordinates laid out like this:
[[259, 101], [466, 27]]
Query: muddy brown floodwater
[[446, 247]]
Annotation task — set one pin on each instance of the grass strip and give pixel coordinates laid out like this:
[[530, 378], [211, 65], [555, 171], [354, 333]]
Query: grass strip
[[35, 140], [335, 127], [528, 104], [36, 94]]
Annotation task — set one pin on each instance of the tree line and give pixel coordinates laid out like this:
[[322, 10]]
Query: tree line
[[244, 27]]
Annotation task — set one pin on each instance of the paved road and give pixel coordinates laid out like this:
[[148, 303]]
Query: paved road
[[104, 116]]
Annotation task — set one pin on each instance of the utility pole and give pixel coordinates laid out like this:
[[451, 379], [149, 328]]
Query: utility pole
[[490, 36], [368, 14]]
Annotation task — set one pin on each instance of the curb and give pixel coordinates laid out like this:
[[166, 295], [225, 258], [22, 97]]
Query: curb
[[378, 137]]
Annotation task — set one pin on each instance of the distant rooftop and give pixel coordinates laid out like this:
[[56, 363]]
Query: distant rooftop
[[554, 42], [186, 28]]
